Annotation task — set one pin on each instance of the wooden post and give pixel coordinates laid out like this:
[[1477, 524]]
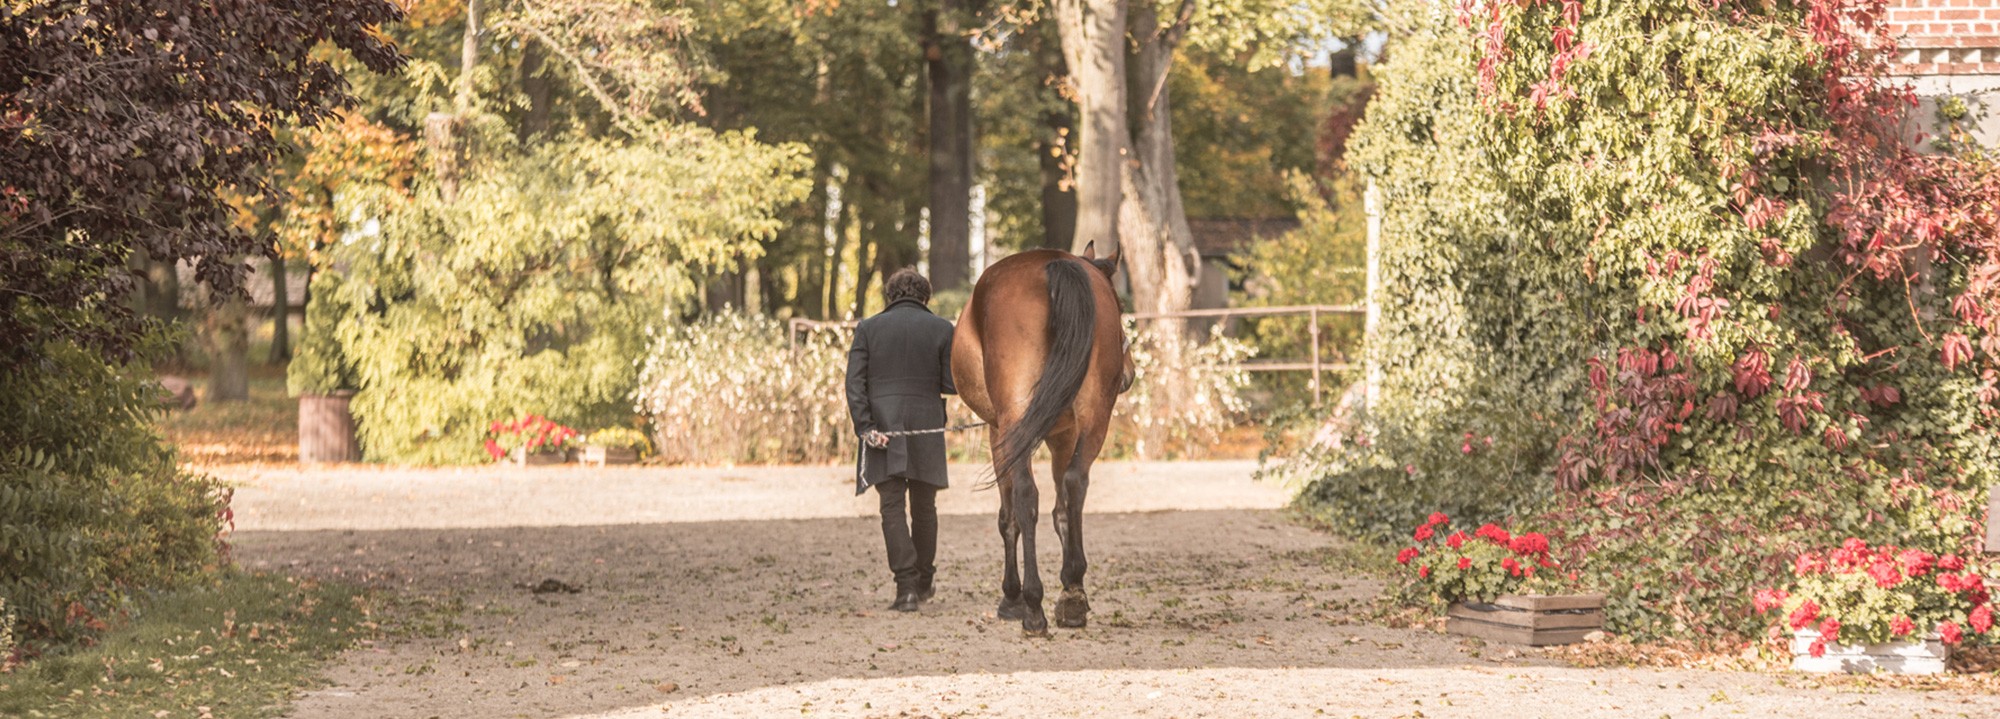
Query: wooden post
[[326, 428], [1314, 320], [1372, 374]]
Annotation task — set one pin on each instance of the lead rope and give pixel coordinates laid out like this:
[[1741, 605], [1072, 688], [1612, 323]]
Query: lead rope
[[862, 473]]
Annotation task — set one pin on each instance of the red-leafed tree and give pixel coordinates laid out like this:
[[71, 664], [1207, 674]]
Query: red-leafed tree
[[121, 123]]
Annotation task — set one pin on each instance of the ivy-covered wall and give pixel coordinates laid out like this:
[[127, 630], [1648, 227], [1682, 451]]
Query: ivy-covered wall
[[1660, 280]]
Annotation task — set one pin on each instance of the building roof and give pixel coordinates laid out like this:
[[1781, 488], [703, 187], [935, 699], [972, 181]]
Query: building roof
[[1220, 236]]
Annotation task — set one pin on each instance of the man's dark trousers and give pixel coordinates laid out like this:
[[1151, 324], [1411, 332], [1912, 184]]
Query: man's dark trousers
[[912, 541]]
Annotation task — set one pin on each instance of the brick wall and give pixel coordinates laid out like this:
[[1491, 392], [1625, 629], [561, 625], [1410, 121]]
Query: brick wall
[[1947, 37]]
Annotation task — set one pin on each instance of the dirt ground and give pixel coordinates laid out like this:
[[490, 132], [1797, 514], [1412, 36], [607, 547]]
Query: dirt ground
[[755, 592]]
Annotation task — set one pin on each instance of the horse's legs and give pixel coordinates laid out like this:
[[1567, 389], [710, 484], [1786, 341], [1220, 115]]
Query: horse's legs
[[1026, 506], [1073, 608], [1010, 582]]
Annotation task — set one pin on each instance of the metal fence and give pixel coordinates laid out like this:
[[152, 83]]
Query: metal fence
[[801, 328]]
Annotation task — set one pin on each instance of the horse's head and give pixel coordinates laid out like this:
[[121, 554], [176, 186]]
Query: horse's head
[[1107, 264]]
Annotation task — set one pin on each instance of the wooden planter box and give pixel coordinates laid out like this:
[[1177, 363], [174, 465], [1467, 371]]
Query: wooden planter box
[[1536, 620], [609, 455], [1912, 657], [523, 458], [326, 428]]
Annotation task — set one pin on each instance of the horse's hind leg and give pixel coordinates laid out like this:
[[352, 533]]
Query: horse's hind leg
[[1073, 608], [1026, 502], [1010, 582]]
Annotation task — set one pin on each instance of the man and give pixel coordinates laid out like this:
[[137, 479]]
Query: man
[[897, 373]]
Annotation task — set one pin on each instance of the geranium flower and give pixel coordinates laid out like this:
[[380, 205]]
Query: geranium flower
[[1808, 563], [1951, 562], [1768, 599], [1408, 553], [1981, 619], [1512, 567], [1464, 562], [1494, 533], [1817, 648], [1829, 629], [1424, 572], [1916, 562], [1901, 626], [1950, 632], [1530, 543], [1804, 615], [1456, 540], [493, 448], [1885, 574], [1424, 533]]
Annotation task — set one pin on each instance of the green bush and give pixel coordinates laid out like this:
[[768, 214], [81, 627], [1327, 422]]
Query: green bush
[[92, 505], [732, 388], [1639, 282]]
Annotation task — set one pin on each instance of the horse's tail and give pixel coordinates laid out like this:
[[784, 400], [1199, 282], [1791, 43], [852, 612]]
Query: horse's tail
[[1072, 331]]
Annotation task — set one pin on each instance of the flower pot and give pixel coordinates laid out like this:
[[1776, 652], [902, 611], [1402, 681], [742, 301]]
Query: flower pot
[[523, 457], [609, 455], [326, 428], [1916, 656], [1537, 620]]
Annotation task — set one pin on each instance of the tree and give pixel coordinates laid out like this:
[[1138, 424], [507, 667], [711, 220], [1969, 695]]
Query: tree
[[948, 61], [113, 151]]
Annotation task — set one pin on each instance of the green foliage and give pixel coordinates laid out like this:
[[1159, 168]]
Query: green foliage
[[619, 438], [1323, 262], [532, 291], [1613, 266], [92, 504], [319, 365], [238, 647], [1237, 134]]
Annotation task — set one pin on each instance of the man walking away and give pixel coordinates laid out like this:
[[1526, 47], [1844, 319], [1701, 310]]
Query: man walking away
[[897, 372]]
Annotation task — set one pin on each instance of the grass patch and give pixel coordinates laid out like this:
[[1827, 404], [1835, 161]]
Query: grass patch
[[262, 429], [238, 647]]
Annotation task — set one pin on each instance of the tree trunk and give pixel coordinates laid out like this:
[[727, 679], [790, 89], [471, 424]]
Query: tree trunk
[[1093, 42], [843, 219], [468, 56], [535, 84], [1159, 246], [229, 350], [1052, 147], [948, 60], [864, 273], [281, 313]]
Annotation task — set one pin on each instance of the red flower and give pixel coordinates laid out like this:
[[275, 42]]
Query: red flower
[[1424, 533], [1464, 562], [1436, 518], [1424, 572], [493, 448], [1494, 533], [1916, 562], [1808, 563], [1768, 599], [1981, 619], [1456, 540], [1949, 582], [1408, 553], [1901, 626], [1885, 574], [1818, 648], [1530, 543], [1951, 562], [1804, 615], [1950, 632], [1829, 629], [1511, 566]]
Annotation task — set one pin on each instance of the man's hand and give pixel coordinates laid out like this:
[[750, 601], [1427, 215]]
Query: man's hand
[[876, 439]]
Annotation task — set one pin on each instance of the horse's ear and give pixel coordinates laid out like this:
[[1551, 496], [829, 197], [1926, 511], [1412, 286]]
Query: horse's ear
[[1108, 264], [1090, 250]]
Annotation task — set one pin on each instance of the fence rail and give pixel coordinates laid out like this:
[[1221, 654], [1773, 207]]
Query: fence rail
[[800, 327]]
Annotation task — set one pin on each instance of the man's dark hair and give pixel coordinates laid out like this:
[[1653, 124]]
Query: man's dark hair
[[906, 284]]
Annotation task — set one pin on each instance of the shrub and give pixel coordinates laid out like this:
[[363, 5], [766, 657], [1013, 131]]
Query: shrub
[[6, 636], [732, 388], [1857, 594], [1184, 394], [619, 438], [92, 504]]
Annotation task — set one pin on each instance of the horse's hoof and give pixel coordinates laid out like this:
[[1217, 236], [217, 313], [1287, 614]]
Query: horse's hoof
[[1012, 609], [1035, 628], [1072, 612]]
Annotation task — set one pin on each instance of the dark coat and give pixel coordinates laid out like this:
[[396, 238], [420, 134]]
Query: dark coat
[[897, 373]]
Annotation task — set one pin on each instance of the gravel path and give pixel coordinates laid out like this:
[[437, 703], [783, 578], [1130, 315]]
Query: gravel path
[[754, 592]]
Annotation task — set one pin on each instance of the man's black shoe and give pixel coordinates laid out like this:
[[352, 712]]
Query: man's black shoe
[[906, 601], [925, 591]]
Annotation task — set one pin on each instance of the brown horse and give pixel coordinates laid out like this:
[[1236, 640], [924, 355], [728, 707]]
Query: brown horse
[[1039, 354]]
